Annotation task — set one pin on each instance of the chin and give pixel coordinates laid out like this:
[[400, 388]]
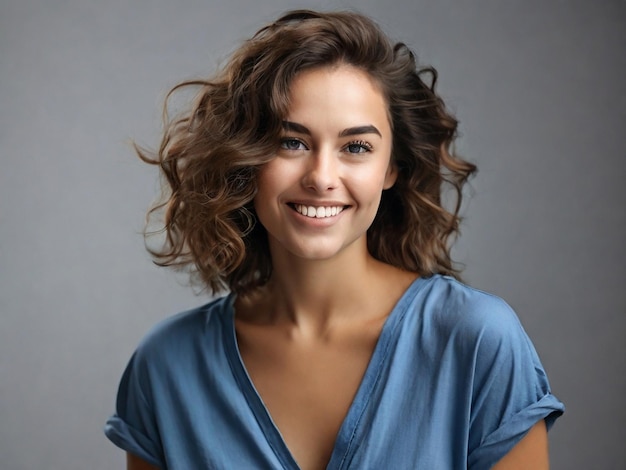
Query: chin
[[318, 247], [321, 251], [315, 254]]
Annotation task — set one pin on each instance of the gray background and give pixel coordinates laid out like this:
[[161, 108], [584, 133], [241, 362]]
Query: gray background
[[538, 87]]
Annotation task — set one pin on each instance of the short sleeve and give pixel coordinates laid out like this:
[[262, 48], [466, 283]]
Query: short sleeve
[[511, 392], [133, 427]]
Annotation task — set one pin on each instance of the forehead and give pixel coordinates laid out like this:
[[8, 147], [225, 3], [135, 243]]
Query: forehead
[[339, 91]]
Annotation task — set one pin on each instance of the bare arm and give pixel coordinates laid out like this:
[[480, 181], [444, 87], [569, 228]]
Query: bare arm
[[135, 463], [529, 453]]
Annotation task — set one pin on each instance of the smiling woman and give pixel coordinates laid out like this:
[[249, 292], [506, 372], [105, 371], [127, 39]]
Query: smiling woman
[[320, 194], [307, 180]]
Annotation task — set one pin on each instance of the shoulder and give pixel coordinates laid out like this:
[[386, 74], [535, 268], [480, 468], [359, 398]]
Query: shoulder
[[181, 333], [450, 302], [484, 333], [447, 310], [473, 347]]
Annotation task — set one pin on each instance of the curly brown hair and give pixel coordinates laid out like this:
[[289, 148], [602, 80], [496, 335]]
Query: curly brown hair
[[210, 154]]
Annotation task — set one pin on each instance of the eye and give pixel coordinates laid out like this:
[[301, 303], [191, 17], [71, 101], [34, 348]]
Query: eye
[[359, 146], [292, 144]]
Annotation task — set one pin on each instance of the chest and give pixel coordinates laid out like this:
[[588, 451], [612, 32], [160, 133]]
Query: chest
[[307, 388]]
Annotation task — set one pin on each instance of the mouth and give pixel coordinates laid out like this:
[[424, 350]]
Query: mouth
[[317, 212]]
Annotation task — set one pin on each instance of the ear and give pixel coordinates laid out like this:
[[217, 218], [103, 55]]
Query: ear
[[391, 176]]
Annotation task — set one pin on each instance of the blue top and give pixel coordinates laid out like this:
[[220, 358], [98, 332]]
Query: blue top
[[454, 382]]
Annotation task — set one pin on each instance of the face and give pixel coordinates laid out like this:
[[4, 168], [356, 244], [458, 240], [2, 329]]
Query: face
[[320, 194]]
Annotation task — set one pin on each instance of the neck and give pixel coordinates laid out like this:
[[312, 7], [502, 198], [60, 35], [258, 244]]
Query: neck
[[314, 295]]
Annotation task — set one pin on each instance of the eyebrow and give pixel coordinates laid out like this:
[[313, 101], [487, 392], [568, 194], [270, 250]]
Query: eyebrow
[[358, 130]]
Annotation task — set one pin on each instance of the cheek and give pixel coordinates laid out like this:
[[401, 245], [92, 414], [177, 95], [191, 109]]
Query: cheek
[[373, 181], [278, 175], [391, 176], [271, 181], [266, 179]]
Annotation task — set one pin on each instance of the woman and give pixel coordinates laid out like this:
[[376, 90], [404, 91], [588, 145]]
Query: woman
[[307, 180]]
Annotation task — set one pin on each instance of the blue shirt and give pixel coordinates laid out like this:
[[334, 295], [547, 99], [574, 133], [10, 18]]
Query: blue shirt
[[454, 382]]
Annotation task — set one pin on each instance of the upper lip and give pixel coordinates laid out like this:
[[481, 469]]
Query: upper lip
[[319, 203]]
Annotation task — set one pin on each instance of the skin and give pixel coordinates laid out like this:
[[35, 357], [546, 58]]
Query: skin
[[317, 320], [135, 463], [531, 453]]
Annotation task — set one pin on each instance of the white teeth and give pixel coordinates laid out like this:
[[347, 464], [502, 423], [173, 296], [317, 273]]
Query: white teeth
[[318, 212]]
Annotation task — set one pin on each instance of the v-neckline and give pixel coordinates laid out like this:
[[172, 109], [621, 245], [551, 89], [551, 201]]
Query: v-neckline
[[349, 430]]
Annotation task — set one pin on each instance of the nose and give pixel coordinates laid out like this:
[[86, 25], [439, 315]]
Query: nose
[[322, 172]]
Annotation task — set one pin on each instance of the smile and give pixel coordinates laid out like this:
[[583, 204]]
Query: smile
[[319, 212]]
